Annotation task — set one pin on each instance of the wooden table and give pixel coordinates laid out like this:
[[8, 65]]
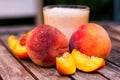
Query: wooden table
[[13, 68]]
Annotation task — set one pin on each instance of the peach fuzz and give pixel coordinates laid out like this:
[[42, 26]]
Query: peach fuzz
[[44, 44], [92, 40]]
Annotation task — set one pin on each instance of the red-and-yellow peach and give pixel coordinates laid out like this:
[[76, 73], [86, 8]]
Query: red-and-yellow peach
[[92, 40]]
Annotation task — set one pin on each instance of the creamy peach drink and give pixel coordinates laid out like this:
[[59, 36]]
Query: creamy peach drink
[[66, 18]]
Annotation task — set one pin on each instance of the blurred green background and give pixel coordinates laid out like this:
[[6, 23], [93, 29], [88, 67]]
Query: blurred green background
[[100, 10]]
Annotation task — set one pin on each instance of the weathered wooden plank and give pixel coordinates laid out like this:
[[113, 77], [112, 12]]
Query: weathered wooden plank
[[110, 73], [88, 76], [114, 33], [10, 69], [44, 73], [115, 44], [113, 66], [112, 69], [114, 57]]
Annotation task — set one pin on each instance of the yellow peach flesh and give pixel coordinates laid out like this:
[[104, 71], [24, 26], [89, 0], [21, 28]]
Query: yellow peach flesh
[[65, 64], [86, 63], [16, 48]]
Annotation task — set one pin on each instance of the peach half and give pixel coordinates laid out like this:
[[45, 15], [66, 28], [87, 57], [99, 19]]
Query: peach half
[[92, 40], [16, 48], [87, 63], [65, 64]]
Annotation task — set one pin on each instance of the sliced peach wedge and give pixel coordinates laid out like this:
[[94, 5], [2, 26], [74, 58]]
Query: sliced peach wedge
[[16, 48], [24, 37], [87, 63], [65, 64]]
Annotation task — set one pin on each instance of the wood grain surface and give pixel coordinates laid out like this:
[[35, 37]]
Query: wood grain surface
[[13, 68]]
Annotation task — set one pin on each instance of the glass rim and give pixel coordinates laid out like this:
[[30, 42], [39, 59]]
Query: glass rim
[[84, 7]]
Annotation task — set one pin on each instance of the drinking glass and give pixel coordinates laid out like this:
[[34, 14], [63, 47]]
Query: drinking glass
[[66, 18]]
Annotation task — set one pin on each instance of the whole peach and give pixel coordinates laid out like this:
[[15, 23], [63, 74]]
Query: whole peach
[[44, 44], [92, 40]]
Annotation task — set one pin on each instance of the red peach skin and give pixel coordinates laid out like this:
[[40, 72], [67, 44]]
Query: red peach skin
[[44, 44], [92, 40]]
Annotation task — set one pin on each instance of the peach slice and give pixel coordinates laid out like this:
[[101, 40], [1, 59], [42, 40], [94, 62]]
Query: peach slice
[[65, 64], [12, 41], [87, 63], [16, 48], [24, 37]]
